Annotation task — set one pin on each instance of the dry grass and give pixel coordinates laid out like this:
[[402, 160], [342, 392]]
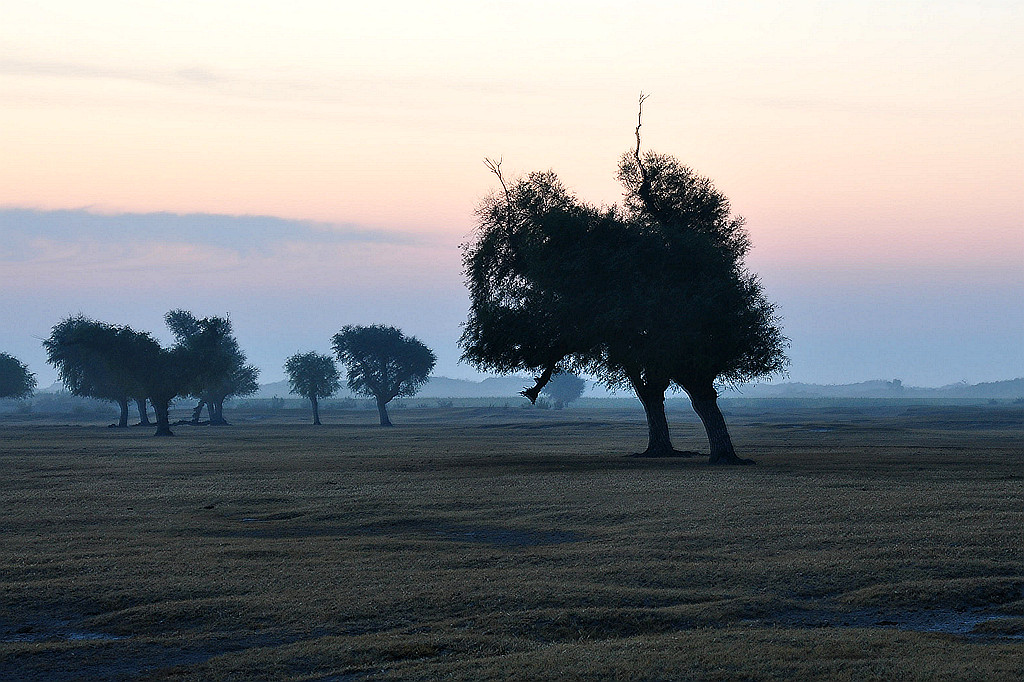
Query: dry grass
[[489, 544]]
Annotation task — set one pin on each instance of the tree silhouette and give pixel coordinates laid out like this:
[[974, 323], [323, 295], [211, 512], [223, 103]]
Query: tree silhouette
[[564, 388], [313, 376], [648, 295], [383, 363], [15, 379], [166, 373], [89, 369], [93, 356], [225, 373]]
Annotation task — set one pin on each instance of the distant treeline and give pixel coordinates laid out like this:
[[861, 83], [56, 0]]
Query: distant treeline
[[1005, 390], [271, 399]]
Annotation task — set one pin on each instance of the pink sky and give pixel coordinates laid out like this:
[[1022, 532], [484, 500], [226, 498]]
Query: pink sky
[[869, 144]]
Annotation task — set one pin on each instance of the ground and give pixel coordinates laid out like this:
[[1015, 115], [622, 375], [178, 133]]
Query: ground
[[489, 543]]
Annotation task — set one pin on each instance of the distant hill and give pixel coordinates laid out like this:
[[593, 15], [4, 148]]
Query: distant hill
[[1009, 389]]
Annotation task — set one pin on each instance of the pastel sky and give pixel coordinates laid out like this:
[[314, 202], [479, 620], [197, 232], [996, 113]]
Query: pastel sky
[[307, 165]]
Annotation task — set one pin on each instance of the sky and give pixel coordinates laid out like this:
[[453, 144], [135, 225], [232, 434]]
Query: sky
[[302, 166]]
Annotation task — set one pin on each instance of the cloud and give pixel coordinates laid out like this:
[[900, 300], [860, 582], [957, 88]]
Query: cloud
[[26, 234], [302, 84], [70, 252]]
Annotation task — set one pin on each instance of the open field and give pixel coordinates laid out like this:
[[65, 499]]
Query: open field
[[482, 543]]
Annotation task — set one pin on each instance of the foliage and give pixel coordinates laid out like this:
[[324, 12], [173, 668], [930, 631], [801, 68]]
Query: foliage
[[15, 379], [97, 360], [312, 375], [90, 358], [382, 362], [114, 362], [617, 291]]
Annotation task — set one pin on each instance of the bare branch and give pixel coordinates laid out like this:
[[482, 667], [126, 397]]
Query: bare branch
[[645, 185], [639, 122], [495, 167]]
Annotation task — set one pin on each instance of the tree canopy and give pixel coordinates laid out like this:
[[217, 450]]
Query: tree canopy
[[91, 359], [15, 379], [313, 376], [650, 294], [384, 363]]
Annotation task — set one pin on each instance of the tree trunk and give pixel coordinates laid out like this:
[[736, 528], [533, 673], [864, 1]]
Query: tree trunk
[[316, 410], [143, 413], [704, 400], [123, 419], [197, 411], [163, 424], [659, 442], [382, 410], [652, 397], [216, 407]]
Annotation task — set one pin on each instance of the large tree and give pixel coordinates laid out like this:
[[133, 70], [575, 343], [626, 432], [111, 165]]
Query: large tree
[[89, 369], [225, 373], [15, 379], [650, 295], [313, 376], [384, 363]]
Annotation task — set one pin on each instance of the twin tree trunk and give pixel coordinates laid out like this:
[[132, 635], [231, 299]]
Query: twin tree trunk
[[214, 407], [704, 399]]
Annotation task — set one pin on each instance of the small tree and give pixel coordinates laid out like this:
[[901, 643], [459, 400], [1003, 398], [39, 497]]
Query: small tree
[[225, 373], [167, 373], [313, 376], [383, 363], [564, 388], [15, 379]]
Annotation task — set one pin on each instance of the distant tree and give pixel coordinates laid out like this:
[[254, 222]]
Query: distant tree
[[226, 374], [313, 376], [649, 295], [169, 373], [15, 379], [564, 388], [89, 369], [91, 356], [383, 363]]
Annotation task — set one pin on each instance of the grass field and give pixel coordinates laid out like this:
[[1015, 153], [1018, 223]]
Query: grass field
[[485, 543]]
